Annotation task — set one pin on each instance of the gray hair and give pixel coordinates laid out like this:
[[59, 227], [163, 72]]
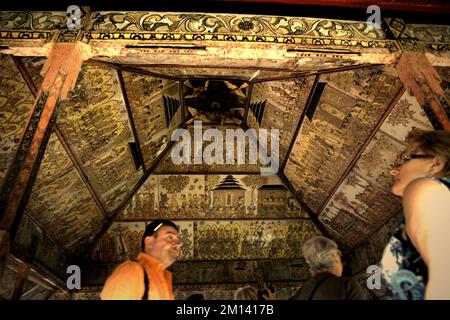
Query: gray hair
[[318, 253], [246, 293]]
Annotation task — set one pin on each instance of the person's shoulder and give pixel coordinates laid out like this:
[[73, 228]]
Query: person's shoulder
[[426, 188], [427, 184], [130, 266]]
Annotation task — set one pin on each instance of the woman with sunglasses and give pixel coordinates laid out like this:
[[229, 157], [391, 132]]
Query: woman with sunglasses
[[416, 262]]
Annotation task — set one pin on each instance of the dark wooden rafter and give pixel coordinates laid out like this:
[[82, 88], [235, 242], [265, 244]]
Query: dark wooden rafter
[[24, 270], [308, 210], [63, 141], [29, 154], [247, 103], [311, 214], [60, 71], [198, 66], [317, 72], [40, 272], [81, 172], [362, 148], [130, 117], [149, 73], [182, 103], [300, 122], [47, 234], [122, 206]]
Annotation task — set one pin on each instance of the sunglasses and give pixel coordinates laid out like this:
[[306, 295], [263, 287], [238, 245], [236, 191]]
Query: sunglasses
[[406, 157]]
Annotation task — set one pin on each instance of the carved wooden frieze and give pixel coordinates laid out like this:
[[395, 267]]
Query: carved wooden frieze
[[16, 103], [95, 123], [230, 24]]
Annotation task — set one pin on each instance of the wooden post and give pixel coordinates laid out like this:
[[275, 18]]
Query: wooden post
[[422, 81], [60, 74]]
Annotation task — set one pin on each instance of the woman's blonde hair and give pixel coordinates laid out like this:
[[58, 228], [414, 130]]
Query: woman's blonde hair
[[434, 142]]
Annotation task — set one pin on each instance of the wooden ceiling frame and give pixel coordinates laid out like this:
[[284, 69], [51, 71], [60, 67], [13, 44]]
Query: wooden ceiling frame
[[130, 116], [31, 85]]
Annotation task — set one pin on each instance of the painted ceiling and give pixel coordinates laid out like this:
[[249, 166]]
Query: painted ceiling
[[107, 169]]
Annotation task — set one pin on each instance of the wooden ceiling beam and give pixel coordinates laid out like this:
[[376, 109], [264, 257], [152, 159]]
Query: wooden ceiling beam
[[32, 86], [304, 205], [422, 80], [130, 116], [247, 103], [431, 6], [60, 74], [300, 122]]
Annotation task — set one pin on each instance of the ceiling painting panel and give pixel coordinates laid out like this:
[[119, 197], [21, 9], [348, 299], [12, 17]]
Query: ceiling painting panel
[[213, 197], [279, 105], [16, 103], [95, 123], [156, 109], [344, 120]]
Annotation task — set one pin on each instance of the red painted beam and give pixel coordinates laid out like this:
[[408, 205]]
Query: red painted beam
[[423, 81], [394, 5]]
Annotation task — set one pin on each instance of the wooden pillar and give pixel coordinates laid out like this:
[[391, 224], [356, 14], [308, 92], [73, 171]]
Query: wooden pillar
[[422, 81], [60, 73]]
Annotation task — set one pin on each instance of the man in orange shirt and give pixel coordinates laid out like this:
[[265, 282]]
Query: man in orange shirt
[[146, 278]]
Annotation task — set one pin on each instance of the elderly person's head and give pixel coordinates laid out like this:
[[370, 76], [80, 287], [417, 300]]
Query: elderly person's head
[[323, 255], [246, 293]]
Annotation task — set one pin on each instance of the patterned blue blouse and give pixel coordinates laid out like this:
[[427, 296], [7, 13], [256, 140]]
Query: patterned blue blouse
[[404, 272]]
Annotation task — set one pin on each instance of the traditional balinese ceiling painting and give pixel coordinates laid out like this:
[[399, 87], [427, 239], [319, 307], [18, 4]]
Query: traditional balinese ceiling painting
[[203, 197], [95, 123], [363, 202], [279, 105], [327, 85], [167, 164], [207, 198], [351, 105], [72, 220], [16, 102], [240, 224], [156, 110]]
